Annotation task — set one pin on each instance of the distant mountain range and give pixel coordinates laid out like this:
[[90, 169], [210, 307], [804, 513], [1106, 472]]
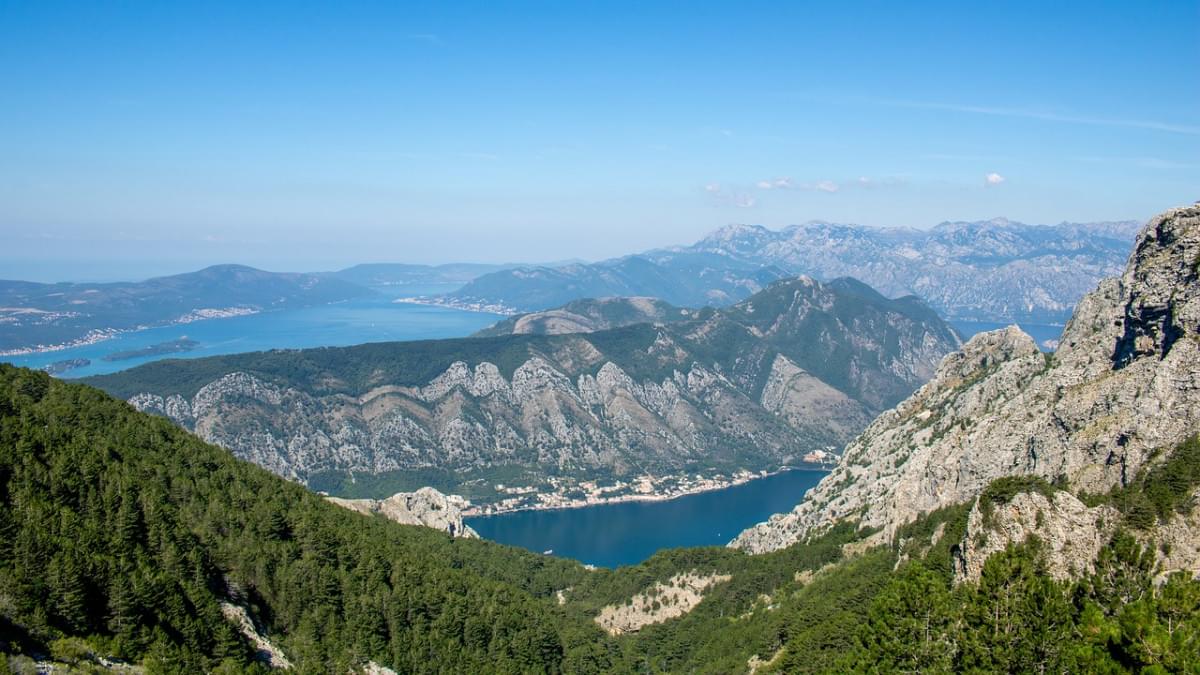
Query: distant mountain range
[[35, 315], [798, 367], [995, 271], [402, 274], [687, 279]]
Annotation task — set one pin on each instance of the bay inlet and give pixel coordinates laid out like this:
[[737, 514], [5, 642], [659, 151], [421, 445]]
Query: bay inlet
[[626, 533]]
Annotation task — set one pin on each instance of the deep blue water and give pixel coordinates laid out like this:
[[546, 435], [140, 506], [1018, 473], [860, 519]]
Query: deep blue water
[[1039, 332], [373, 319], [626, 533]]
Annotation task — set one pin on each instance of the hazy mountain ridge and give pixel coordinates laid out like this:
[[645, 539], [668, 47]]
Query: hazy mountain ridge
[[682, 279], [403, 274], [995, 271], [799, 367], [588, 316], [1091, 418], [36, 315]]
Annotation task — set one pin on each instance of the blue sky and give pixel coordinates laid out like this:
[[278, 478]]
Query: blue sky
[[293, 135]]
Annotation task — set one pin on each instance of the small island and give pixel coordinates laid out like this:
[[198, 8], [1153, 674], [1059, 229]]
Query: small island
[[183, 344]]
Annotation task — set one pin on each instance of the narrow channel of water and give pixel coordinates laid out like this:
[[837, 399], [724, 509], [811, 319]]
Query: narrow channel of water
[[626, 533]]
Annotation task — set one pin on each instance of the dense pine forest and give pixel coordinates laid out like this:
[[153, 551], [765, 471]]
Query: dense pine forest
[[122, 535]]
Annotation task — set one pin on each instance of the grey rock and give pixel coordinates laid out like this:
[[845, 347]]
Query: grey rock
[[1124, 383], [427, 507]]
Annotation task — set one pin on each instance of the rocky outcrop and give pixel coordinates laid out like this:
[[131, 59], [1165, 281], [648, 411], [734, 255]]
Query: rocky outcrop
[[1177, 541], [1071, 533], [426, 507], [1124, 383], [265, 650], [661, 602]]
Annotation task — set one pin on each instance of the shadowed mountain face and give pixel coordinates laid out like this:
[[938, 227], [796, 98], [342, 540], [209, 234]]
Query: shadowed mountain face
[[33, 314], [995, 271], [799, 366], [682, 279]]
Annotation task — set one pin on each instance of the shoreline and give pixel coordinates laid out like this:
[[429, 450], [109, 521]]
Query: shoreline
[[474, 511], [98, 335], [479, 307]]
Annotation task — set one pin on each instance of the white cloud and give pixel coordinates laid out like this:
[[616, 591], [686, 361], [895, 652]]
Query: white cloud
[[783, 183], [737, 198], [993, 179], [827, 186]]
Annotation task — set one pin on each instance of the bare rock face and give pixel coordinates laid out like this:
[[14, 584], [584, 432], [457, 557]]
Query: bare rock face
[[661, 602], [1177, 541], [1124, 382], [1071, 533], [426, 507], [801, 366]]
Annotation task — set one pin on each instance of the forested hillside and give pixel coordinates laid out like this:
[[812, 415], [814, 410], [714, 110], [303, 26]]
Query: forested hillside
[[125, 533], [122, 528]]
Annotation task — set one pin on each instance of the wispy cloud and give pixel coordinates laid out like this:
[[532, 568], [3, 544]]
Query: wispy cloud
[[775, 184], [1026, 113], [993, 179], [1141, 162], [733, 196], [868, 183], [830, 186]]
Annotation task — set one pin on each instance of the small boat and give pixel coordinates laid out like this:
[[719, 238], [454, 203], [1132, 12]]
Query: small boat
[[548, 551]]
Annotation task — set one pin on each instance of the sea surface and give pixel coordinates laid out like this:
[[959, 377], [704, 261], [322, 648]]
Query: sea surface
[[1045, 335], [626, 533], [372, 319]]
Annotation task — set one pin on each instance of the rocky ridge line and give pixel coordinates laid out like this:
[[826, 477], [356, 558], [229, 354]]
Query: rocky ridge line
[[1124, 383]]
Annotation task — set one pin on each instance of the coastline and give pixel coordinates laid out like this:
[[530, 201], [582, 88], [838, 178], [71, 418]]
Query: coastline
[[481, 307], [710, 485], [98, 335]]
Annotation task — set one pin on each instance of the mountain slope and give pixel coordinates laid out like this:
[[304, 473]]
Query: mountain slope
[[125, 537], [989, 271], [801, 366], [121, 528], [683, 279], [34, 315], [1124, 384], [403, 274], [588, 316]]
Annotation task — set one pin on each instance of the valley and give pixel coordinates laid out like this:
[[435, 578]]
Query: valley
[[782, 378], [487, 338]]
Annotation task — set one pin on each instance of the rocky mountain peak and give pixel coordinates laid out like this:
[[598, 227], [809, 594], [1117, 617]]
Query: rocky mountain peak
[[986, 351], [1124, 385], [1162, 298]]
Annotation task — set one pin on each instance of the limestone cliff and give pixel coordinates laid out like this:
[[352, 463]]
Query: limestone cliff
[[426, 507], [800, 366], [1124, 383]]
